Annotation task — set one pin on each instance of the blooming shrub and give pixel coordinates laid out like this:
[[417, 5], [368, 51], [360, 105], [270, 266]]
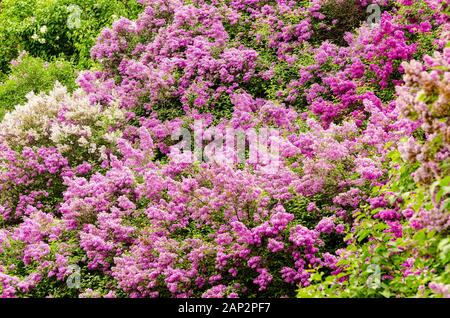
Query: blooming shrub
[[77, 129], [93, 181], [400, 241]]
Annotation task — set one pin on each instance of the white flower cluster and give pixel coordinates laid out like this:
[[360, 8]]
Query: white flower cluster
[[66, 121]]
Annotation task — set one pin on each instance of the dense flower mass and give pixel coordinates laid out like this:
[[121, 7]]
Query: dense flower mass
[[349, 187]]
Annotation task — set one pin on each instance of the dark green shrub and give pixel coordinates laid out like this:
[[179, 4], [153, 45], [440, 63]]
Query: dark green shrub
[[341, 16]]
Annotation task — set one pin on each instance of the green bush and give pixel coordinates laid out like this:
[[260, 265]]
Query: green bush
[[56, 28], [34, 74]]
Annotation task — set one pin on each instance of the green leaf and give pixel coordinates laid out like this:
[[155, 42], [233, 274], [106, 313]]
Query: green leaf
[[363, 234], [420, 236], [386, 293], [445, 181]]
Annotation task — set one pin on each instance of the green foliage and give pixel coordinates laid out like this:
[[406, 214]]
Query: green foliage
[[373, 268], [167, 109], [376, 260], [222, 108], [297, 206], [34, 74], [57, 28], [340, 17]]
